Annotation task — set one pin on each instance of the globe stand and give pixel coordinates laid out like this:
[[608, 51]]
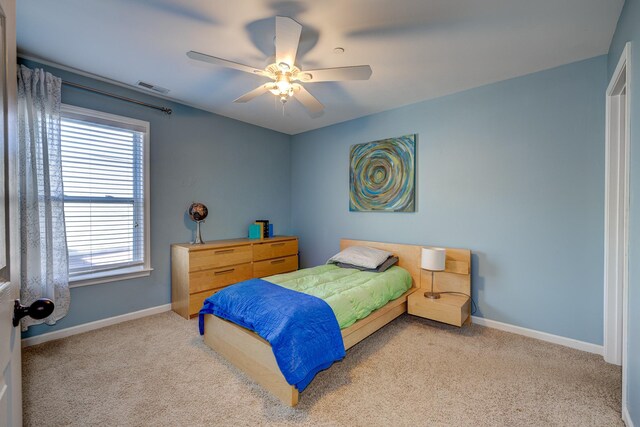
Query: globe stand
[[199, 240]]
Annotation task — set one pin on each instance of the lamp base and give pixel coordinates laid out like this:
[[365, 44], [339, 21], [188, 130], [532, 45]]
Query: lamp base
[[432, 295]]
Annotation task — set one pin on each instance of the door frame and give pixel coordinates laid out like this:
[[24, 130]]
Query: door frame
[[616, 229]]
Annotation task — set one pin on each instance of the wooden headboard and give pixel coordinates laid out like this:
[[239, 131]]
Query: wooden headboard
[[457, 273], [408, 255]]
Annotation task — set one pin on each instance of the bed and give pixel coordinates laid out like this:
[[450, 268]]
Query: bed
[[253, 355]]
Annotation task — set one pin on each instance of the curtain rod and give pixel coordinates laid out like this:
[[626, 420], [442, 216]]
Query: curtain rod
[[123, 98]]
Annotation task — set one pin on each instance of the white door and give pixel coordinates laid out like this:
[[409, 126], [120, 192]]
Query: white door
[[10, 369], [10, 378]]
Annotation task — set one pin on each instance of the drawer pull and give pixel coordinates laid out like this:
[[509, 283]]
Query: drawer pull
[[277, 261], [231, 270], [225, 251], [277, 244]]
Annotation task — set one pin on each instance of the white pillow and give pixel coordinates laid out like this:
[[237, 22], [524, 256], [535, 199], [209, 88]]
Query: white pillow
[[362, 256]]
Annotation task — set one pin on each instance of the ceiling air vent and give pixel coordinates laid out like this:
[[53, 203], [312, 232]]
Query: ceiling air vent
[[154, 88]]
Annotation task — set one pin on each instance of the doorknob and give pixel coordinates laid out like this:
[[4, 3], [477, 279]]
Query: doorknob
[[39, 309]]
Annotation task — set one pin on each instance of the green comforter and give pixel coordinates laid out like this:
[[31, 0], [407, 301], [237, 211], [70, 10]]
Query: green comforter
[[351, 294]]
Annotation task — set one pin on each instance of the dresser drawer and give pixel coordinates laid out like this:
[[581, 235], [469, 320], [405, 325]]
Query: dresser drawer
[[214, 258], [196, 301], [217, 278], [275, 266], [274, 249]]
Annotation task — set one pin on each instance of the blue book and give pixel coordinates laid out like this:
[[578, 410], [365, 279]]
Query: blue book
[[255, 231]]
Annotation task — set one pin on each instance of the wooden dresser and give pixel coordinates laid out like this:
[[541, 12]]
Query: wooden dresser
[[199, 271]]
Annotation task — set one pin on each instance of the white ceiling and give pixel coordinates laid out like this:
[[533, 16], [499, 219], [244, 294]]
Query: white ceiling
[[418, 49]]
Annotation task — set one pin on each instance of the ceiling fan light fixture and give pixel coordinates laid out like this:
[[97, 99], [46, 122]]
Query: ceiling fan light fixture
[[283, 72], [282, 87], [274, 90]]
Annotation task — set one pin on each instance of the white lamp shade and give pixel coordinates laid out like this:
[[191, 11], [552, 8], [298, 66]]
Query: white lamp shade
[[433, 259]]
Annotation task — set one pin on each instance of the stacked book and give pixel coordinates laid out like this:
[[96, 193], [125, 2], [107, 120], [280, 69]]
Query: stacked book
[[261, 229]]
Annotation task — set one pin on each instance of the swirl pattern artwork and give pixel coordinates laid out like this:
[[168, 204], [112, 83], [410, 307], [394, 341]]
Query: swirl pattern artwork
[[382, 175]]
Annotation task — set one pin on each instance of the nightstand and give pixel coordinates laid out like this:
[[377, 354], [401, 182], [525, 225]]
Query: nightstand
[[449, 308], [454, 309]]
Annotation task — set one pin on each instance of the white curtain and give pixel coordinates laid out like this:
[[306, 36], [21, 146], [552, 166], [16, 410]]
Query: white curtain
[[44, 258]]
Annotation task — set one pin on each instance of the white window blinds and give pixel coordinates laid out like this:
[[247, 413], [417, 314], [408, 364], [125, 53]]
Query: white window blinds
[[103, 169]]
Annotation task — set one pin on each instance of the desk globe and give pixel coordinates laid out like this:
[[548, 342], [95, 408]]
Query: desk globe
[[198, 212]]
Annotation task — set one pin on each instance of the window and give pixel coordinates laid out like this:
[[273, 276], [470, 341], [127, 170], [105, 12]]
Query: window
[[106, 203]]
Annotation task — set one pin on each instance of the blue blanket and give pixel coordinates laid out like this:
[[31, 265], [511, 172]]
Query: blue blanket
[[302, 329]]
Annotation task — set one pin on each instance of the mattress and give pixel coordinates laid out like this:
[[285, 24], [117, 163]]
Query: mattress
[[351, 294]]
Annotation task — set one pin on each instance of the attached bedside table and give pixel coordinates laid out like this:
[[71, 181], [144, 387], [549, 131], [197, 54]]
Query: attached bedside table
[[449, 308], [454, 309]]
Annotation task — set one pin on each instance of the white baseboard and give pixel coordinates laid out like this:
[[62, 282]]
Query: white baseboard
[[543, 336], [86, 327], [626, 417]]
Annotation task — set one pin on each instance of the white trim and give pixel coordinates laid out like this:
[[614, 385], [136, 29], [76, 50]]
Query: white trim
[[625, 297], [616, 214], [543, 336], [142, 126], [105, 118], [616, 288], [109, 276], [626, 417], [86, 327], [622, 62]]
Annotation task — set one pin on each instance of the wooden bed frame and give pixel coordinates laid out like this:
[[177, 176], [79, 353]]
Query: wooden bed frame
[[254, 356]]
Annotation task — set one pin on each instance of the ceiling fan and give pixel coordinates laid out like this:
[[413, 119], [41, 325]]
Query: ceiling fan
[[285, 73]]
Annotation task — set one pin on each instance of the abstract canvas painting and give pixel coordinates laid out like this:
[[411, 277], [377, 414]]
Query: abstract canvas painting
[[382, 175]]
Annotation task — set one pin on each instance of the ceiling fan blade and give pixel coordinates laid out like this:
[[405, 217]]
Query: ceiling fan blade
[[287, 38], [224, 63], [358, 72], [309, 101], [253, 94]]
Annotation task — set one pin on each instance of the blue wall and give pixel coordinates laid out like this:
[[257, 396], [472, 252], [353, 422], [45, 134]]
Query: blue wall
[[513, 171], [240, 171], [629, 30]]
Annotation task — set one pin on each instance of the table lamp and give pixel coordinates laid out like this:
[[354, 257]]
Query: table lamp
[[433, 259]]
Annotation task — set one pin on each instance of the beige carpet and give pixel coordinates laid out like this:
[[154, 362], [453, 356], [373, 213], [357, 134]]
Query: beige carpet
[[157, 371]]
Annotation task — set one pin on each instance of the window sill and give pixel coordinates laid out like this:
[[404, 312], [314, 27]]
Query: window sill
[[109, 276]]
